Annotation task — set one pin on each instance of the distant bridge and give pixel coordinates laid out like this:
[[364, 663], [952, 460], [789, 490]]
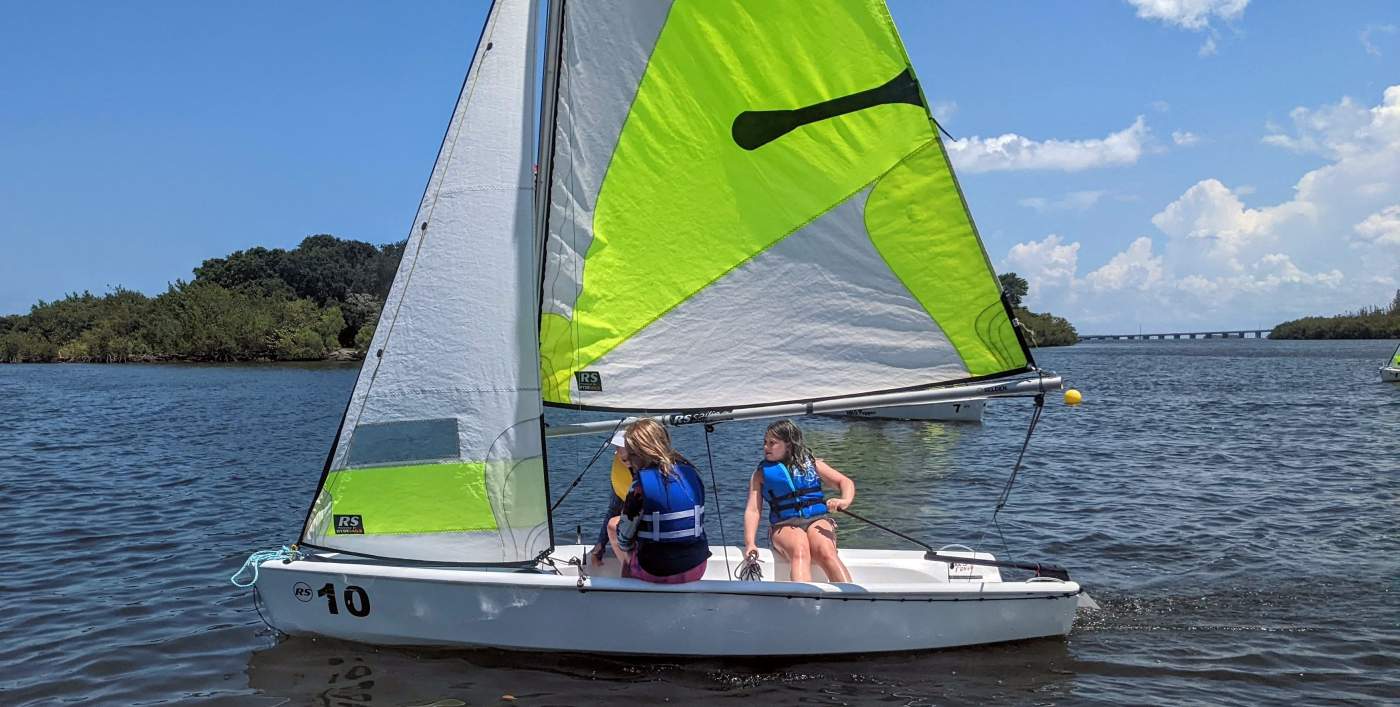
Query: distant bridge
[[1231, 334]]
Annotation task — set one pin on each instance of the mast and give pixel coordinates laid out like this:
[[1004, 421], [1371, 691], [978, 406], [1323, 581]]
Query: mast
[[544, 170]]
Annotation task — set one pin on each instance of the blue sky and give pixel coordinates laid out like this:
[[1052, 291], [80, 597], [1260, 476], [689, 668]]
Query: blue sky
[[1153, 163]]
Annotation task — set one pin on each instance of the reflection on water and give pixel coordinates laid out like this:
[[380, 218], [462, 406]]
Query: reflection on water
[[329, 672]]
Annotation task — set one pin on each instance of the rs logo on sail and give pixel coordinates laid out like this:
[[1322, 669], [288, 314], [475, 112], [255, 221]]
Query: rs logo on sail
[[349, 525]]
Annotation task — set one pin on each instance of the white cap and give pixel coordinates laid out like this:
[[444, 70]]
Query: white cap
[[619, 439]]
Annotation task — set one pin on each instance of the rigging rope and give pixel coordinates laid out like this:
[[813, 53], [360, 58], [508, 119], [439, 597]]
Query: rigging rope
[[579, 478], [286, 554], [709, 428], [1006, 492]]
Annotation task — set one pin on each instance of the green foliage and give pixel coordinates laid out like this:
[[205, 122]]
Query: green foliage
[[1015, 287], [323, 269], [1046, 329], [363, 337], [254, 304], [360, 310], [1367, 323], [1039, 329]]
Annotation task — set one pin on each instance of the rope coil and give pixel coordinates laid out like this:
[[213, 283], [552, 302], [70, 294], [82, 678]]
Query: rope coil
[[286, 554]]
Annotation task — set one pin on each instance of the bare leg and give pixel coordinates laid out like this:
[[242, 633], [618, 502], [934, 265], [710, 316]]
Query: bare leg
[[618, 552], [821, 538], [791, 543]]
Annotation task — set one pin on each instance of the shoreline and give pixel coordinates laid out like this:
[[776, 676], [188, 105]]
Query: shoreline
[[334, 356]]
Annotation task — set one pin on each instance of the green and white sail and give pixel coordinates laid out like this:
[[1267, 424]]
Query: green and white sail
[[749, 203], [440, 454]]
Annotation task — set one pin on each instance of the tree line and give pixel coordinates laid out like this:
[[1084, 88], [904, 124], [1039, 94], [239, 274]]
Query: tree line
[[1043, 328], [270, 304], [1366, 323], [255, 304]]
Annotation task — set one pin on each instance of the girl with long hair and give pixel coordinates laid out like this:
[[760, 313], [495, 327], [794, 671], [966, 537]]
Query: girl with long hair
[[660, 535], [802, 529]]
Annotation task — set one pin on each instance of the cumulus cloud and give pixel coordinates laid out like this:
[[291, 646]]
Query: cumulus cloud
[[1185, 138], [1013, 152], [1194, 15], [1135, 268], [1189, 14], [1381, 228], [1219, 262], [1048, 263]]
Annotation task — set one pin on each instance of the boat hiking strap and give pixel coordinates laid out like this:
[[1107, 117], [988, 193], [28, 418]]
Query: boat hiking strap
[[719, 506], [596, 455], [286, 554], [1041, 569]]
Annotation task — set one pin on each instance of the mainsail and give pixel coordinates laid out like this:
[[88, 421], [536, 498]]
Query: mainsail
[[749, 203], [440, 454]]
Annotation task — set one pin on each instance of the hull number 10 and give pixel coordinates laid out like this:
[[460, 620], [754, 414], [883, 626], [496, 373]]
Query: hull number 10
[[356, 599]]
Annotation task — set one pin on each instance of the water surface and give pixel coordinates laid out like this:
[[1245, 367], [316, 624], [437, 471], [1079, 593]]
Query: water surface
[[1231, 504]]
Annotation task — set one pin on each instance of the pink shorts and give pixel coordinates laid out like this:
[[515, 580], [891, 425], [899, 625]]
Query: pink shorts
[[633, 570]]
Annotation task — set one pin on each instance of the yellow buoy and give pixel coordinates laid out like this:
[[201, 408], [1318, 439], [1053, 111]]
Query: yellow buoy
[[621, 477], [1072, 397]]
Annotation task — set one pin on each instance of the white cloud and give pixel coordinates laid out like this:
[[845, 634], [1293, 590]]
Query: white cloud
[[1014, 152], [1073, 201], [1047, 264], [1380, 228], [1135, 268], [1366, 42], [1185, 138], [1189, 14], [1329, 131], [1208, 47], [1218, 262]]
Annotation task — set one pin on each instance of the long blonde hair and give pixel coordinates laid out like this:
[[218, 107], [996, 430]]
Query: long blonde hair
[[650, 441]]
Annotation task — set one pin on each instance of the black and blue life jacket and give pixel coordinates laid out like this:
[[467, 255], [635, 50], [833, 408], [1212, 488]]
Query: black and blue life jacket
[[792, 494]]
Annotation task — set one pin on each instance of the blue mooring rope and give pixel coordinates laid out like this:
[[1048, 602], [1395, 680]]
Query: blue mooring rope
[[286, 554]]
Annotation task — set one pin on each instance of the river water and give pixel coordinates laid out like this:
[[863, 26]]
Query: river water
[[1232, 505]]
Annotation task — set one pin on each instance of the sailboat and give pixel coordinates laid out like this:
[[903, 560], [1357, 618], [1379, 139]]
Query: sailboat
[[741, 210], [1391, 371], [960, 411]]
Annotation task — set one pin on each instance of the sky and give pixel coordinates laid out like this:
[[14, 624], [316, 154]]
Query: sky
[[1147, 165]]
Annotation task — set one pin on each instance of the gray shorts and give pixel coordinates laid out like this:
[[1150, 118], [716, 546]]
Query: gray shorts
[[800, 523]]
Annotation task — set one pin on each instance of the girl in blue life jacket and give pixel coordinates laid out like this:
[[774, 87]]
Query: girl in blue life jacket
[[660, 535], [802, 528]]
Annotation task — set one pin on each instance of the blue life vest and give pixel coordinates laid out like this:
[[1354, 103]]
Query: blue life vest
[[673, 509], [792, 495]]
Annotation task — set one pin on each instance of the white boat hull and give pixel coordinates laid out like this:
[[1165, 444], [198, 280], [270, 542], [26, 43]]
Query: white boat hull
[[1390, 374], [899, 602], [961, 411]]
